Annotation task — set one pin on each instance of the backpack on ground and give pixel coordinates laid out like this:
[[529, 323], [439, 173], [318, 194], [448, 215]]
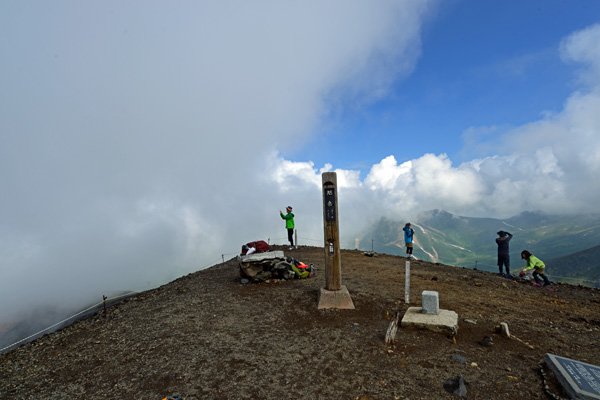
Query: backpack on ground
[[260, 246]]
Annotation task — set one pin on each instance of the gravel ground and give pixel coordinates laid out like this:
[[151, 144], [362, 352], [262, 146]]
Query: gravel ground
[[207, 336]]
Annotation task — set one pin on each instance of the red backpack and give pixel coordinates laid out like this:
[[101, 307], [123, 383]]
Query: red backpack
[[260, 245]]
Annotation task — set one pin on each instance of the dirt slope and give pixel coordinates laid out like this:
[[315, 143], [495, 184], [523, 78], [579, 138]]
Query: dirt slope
[[206, 336]]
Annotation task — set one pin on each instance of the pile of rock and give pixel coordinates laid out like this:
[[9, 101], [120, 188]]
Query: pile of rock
[[273, 265]]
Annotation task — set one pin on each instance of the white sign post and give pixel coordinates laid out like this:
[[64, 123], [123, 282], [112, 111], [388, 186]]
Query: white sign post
[[407, 282]]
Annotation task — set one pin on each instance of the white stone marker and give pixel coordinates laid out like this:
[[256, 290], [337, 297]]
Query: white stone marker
[[430, 302], [407, 282]]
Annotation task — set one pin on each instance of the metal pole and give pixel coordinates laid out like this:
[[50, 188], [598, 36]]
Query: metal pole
[[296, 237]]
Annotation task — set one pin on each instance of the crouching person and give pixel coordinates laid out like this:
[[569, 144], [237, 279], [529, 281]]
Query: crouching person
[[538, 267]]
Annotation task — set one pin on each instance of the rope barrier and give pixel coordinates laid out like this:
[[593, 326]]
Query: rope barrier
[[65, 320], [478, 265], [312, 240], [99, 304], [2, 350], [32, 336]]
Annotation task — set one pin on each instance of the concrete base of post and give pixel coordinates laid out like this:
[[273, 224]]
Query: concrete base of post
[[335, 299], [445, 321]]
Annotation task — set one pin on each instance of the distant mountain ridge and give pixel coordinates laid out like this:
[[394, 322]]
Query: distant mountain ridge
[[584, 263], [467, 241]]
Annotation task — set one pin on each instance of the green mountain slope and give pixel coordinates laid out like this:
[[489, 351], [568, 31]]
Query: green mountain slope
[[465, 241], [584, 263]]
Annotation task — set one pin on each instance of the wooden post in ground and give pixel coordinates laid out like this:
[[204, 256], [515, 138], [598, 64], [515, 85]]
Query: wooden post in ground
[[331, 231], [334, 295], [390, 335]]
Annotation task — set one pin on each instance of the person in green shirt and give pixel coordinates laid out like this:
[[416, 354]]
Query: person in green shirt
[[535, 264], [289, 224]]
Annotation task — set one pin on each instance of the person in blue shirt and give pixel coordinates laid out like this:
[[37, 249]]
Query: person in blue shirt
[[409, 233]]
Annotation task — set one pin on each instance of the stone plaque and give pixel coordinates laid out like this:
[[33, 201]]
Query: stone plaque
[[580, 380]]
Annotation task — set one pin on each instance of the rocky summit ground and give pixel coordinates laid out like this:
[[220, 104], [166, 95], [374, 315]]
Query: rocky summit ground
[[207, 336]]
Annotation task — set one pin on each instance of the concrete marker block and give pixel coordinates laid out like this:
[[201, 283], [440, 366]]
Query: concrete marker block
[[430, 302]]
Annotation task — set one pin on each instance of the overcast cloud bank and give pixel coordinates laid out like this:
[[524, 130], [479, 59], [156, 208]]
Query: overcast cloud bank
[[133, 153], [139, 140]]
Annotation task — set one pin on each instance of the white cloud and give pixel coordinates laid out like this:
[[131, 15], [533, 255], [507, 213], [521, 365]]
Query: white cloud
[[290, 175], [387, 174], [139, 141], [548, 165], [582, 47], [551, 164]]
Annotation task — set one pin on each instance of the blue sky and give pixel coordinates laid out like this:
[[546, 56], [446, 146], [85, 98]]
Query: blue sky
[[142, 140], [482, 63]]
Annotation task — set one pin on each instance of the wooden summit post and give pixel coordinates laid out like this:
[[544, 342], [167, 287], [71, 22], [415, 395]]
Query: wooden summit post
[[334, 295]]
